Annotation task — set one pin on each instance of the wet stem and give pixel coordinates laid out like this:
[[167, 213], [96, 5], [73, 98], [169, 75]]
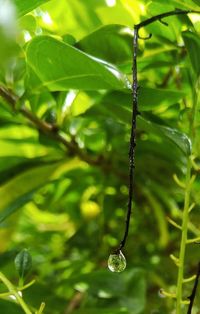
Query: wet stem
[[185, 219]]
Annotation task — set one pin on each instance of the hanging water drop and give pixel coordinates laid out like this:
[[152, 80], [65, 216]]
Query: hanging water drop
[[117, 262]]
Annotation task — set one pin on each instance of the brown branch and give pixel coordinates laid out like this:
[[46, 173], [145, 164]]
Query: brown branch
[[8, 96], [47, 128], [74, 303], [54, 133]]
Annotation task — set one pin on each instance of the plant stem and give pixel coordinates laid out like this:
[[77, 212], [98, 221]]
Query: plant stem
[[132, 138], [185, 221], [14, 292], [179, 291]]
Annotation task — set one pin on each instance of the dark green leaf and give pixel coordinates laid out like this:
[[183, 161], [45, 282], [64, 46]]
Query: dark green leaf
[[111, 42]]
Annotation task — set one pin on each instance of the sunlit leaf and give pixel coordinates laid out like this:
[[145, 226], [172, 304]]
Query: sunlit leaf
[[19, 190], [61, 67]]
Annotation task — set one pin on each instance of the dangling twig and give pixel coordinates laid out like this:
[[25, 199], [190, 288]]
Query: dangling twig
[[194, 290], [135, 110]]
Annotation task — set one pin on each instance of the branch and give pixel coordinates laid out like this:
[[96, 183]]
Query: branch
[[194, 290], [8, 96], [54, 133]]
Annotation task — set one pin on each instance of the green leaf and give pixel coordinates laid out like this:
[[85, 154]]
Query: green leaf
[[148, 98], [23, 263], [123, 115], [111, 42], [60, 67], [24, 6], [192, 42], [177, 137]]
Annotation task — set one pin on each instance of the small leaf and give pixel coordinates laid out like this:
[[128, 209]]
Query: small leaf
[[23, 263]]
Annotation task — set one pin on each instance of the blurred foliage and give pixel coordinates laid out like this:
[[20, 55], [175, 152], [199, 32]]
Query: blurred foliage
[[70, 64]]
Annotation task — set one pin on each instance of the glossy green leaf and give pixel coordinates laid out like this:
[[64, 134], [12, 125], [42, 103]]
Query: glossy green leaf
[[123, 114], [178, 138], [192, 42], [112, 43], [24, 6], [60, 66]]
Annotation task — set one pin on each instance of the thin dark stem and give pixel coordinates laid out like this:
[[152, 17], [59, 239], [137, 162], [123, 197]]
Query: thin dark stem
[[162, 15], [135, 110], [194, 290]]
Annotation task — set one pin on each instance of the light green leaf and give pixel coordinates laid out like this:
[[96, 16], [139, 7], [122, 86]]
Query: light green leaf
[[60, 67], [19, 190], [25, 6], [192, 42]]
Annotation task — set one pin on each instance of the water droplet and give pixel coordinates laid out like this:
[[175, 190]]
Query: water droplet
[[117, 262]]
